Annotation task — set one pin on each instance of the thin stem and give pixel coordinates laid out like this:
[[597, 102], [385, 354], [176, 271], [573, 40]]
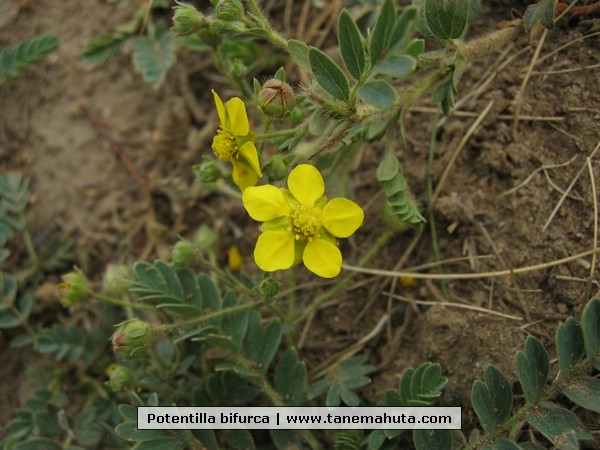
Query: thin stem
[[122, 303], [271, 393], [207, 317], [432, 227], [379, 244], [33, 257], [263, 23]]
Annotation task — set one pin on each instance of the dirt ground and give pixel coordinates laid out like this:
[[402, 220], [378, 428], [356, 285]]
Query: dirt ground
[[495, 210]]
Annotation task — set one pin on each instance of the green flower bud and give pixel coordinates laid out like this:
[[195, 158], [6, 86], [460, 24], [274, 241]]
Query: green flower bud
[[276, 168], [269, 287], [210, 37], [237, 68], [208, 171], [116, 280], [184, 254], [276, 98], [74, 288], [229, 10], [120, 378], [188, 20], [206, 239], [131, 337]]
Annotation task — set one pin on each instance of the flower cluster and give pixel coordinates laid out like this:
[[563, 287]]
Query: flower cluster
[[300, 224]]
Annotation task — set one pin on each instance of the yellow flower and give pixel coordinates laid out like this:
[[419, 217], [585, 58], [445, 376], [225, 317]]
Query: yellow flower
[[234, 142], [300, 224]]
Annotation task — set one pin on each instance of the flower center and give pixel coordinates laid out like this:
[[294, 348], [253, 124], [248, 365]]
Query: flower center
[[306, 220], [224, 145]]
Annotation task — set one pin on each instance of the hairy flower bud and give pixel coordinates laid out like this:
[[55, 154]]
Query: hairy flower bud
[[276, 168], [188, 20], [74, 288], [206, 239], [184, 254], [116, 280], [131, 337], [276, 98], [120, 378], [229, 10], [207, 171]]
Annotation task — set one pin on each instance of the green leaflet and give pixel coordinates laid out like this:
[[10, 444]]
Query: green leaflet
[[569, 346], [542, 12], [378, 93], [533, 365], [491, 398], [154, 55], [559, 425], [351, 45], [15, 60], [398, 196], [329, 75]]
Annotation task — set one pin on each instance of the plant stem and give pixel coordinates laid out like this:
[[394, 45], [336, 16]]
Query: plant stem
[[33, 258], [122, 303], [432, 227], [276, 399], [344, 281], [207, 317]]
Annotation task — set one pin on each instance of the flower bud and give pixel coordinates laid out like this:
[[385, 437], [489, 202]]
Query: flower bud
[[229, 10], [119, 377], [131, 337], [74, 288], [210, 37], [206, 239], [276, 168], [234, 259], [184, 254], [116, 280], [188, 20], [269, 287], [238, 68], [276, 98], [207, 171]]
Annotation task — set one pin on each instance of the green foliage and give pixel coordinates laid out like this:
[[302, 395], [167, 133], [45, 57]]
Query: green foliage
[[341, 382], [14, 195], [492, 398], [154, 54], [15, 60], [541, 12], [398, 196], [378, 93], [432, 439], [533, 365], [328, 74], [352, 46], [444, 19]]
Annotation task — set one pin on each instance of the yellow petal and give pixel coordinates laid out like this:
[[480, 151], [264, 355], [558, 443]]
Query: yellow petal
[[249, 153], [306, 184], [265, 203], [322, 258], [238, 119], [342, 217], [220, 108], [274, 250], [243, 175]]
